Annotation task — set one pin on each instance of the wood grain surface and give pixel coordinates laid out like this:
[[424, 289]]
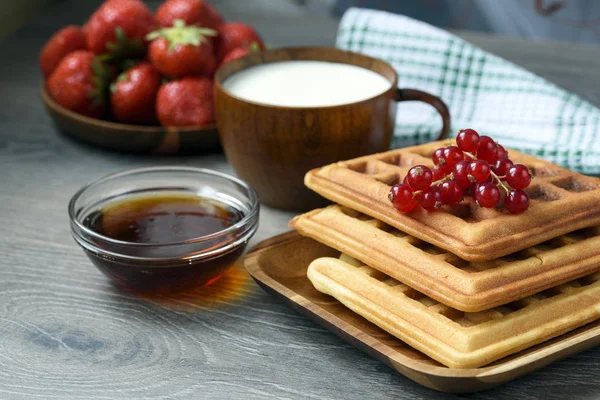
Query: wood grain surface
[[67, 333]]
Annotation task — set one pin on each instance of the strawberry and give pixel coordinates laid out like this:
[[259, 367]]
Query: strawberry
[[210, 68], [193, 12], [240, 52], [234, 54], [133, 94], [118, 28], [186, 102], [180, 50], [63, 42], [79, 83], [236, 34]]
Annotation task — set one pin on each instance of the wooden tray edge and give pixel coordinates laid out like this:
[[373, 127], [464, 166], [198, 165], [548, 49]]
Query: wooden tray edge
[[438, 378]]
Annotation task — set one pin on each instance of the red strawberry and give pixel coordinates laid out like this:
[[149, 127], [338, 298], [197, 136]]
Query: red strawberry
[[210, 68], [234, 54], [180, 50], [119, 27], [63, 42], [193, 12], [186, 102], [239, 52], [133, 94], [79, 83], [236, 34]]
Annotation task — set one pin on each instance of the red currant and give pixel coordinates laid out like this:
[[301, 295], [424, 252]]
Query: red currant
[[518, 176], [419, 177], [416, 199], [452, 155], [502, 153], [479, 170], [411, 206], [487, 150], [437, 174], [400, 195], [516, 201], [469, 168], [502, 165], [431, 198], [451, 192], [475, 185], [437, 156], [461, 172], [468, 140], [487, 195]]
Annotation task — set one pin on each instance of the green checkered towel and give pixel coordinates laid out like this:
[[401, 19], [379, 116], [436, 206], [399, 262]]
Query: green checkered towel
[[483, 91]]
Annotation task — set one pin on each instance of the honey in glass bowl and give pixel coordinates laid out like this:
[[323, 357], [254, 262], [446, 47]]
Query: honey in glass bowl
[[164, 229]]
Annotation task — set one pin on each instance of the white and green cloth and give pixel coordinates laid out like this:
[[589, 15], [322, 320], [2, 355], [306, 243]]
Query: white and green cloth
[[484, 92]]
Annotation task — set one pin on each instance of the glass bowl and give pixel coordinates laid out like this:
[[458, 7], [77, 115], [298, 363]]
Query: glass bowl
[[175, 265]]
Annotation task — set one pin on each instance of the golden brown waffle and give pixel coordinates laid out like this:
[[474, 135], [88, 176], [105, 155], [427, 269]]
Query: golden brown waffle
[[562, 201], [452, 337], [464, 285]]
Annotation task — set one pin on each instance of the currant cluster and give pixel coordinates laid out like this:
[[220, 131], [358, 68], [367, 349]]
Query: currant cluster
[[476, 166]]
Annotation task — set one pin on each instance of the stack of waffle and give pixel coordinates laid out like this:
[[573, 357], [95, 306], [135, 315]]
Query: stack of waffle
[[465, 285]]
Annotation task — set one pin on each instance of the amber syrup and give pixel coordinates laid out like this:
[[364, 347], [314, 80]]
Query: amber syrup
[[159, 220]]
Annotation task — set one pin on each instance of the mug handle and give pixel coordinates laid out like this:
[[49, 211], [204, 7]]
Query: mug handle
[[436, 102]]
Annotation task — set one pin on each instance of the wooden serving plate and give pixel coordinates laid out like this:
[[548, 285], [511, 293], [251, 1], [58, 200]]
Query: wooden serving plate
[[279, 266], [132, 138]]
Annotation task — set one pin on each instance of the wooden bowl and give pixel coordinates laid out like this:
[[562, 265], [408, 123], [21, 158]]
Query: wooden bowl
[[142, 139]]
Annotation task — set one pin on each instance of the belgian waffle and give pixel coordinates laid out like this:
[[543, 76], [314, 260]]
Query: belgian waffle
[[454, 338], [562, 201], [447, 278]]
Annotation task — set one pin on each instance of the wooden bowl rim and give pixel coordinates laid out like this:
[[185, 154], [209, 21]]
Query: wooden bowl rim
[[117, 126]]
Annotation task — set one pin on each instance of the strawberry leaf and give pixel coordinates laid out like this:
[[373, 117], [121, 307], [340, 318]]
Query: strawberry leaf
[[128, 64], [122, 77], [99, 93], [254, 47], [123, 47], [183, 34]]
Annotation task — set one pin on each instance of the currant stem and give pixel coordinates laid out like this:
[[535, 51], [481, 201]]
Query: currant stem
[[448, 177], [498, 180], [502, 185]]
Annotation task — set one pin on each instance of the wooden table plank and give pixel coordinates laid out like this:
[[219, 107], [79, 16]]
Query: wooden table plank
[[67, 333]]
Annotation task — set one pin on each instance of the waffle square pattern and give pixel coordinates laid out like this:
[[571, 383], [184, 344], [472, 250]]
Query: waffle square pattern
[[452, 337], [561, 201], [445, 277]]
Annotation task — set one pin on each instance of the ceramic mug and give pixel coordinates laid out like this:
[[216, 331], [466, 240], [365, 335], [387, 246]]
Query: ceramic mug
[[272, 147]]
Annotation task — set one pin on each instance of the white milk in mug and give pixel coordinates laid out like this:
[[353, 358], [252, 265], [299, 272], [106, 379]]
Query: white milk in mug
[[306, 84]]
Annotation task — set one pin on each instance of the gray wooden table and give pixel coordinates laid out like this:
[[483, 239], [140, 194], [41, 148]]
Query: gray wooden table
[[67, 333]]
